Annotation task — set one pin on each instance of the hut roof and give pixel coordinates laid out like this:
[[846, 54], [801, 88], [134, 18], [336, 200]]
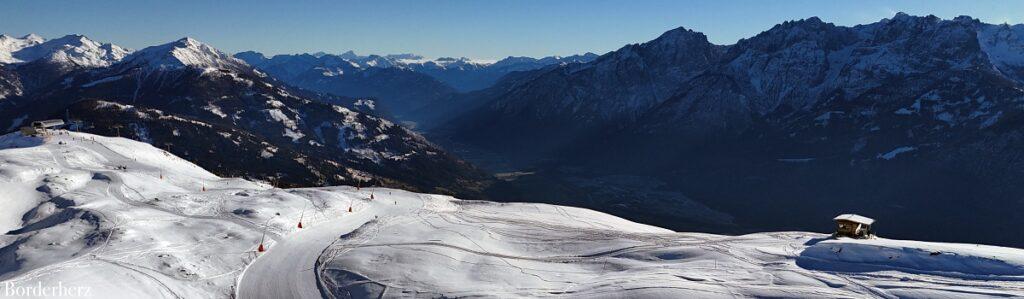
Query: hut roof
[[855, 218], [48, 123]]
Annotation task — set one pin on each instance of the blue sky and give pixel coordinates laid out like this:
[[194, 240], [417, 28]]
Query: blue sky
[[476, 29]]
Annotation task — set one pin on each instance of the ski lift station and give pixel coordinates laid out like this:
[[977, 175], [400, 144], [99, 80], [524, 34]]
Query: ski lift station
[[41, 126], [854, 226]]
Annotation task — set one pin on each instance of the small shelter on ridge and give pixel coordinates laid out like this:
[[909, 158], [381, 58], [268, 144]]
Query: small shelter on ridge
[[854, 226]]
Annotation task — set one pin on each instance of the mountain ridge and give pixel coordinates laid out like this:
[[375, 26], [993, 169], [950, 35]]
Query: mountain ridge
[[207, 106], [75, 49], [182, 53]]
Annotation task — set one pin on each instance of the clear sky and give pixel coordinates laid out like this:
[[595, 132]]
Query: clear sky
[[476, 29]]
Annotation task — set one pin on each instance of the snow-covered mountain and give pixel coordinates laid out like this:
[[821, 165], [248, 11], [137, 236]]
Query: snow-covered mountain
[[216, 110], [10, 45], [906, 116], [71, 49], [103, 217], [31, 62], [183, 53]]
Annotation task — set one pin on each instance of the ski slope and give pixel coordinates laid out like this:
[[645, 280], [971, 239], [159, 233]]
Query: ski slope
[[457, 248], [130, 233], [127, 220]]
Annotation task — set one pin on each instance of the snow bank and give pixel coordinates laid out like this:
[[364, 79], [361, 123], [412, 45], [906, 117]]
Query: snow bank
[[16, 140], [959, 260]]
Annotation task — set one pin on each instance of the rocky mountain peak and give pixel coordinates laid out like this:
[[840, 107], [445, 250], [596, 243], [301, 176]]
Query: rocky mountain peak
[[679, 36]]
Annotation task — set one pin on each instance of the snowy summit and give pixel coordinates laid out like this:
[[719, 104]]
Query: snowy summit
[[185, 52], [9, 45], [129, 220]]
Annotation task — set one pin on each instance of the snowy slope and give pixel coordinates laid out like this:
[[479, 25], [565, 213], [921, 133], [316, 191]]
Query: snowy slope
[[443, 247], [129, 233], [162, 227]]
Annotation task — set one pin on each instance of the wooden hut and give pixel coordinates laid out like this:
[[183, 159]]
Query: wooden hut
[[854, 226]]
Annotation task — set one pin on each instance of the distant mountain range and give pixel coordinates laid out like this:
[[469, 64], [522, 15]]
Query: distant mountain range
[[913, 120], [219, 112], [462, 74], [402, 85]]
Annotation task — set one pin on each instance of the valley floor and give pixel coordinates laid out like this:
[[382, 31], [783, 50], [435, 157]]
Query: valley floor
[[123, 219]]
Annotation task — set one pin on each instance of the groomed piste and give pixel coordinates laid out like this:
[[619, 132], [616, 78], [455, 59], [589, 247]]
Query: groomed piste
[[128, 220]]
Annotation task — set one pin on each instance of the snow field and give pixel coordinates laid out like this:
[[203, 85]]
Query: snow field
[[127, 233], [128, 220]]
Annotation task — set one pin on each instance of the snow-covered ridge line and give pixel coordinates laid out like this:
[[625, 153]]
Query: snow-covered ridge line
[[129, 220], [74, 50], [185, 52], [417, 62], [414, 59]]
